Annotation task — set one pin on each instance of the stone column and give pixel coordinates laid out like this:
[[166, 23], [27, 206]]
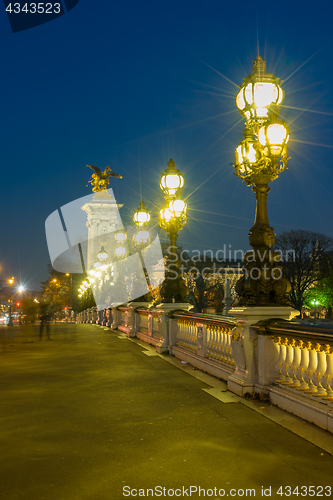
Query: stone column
[[102, 221]]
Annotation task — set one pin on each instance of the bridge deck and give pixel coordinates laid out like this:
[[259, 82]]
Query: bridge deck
[[88, 413]]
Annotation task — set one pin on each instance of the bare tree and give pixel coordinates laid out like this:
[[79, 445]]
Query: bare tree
[[306, 258]]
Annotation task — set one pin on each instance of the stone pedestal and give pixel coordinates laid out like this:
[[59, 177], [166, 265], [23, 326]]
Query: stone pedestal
[[165, 324], [252, 357]]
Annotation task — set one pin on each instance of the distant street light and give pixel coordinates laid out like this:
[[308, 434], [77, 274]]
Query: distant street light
[[259, 159], [315, 303], [11, 281]]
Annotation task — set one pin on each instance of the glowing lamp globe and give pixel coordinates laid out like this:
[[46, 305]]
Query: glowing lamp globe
[[141, 216], [141, 237], [273, 138], [246, 154], [178, 207], [165, 215], [172, 181], [120, 237], [11, 280], [102, 254], [120, 252], [259, 92]]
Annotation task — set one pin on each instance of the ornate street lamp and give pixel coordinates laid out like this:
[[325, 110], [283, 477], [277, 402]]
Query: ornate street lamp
[[172, 218], [259, 159]]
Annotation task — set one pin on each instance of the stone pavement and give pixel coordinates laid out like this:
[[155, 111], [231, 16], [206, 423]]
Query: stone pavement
[[91, 412]]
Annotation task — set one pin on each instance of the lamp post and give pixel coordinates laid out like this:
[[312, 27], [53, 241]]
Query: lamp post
[[11, 281], [259, 159], [172, 218], [140, 240]]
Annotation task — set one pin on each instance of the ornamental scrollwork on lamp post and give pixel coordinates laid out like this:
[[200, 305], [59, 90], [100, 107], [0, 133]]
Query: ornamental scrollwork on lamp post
[[172, 218], [259, 159]]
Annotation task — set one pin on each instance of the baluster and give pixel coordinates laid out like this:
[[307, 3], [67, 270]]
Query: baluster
[[313, 361], [296, 364], [231, 349], [217, 343], [329, 372], [226, 346], [289, 362], [212, 339], [208, 340], [281, 360], [305, 360], [214, 342], [321, 370]]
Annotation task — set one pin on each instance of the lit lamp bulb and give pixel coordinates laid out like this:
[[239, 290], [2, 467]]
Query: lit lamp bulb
[[172, 181], [166, 214], [120, 252], [102, 254], [141, 237], [274, 138], [259, 92], [141, 216], [178, 207], [120, 237], [246, 154]]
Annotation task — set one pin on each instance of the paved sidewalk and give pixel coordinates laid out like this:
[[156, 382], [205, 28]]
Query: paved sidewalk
[[90, 413]]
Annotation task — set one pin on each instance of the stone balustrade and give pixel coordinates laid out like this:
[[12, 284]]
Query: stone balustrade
[[289, 363]]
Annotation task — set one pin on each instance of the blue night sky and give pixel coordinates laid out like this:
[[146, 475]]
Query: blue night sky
[[130, 84]]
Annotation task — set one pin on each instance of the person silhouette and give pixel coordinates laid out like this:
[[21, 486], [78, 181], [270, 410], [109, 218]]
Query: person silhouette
[[44, 320]]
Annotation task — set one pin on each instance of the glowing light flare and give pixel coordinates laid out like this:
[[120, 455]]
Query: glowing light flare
[[21, 289]]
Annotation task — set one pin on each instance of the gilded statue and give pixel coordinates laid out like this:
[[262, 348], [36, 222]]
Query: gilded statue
[[100, 180]]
